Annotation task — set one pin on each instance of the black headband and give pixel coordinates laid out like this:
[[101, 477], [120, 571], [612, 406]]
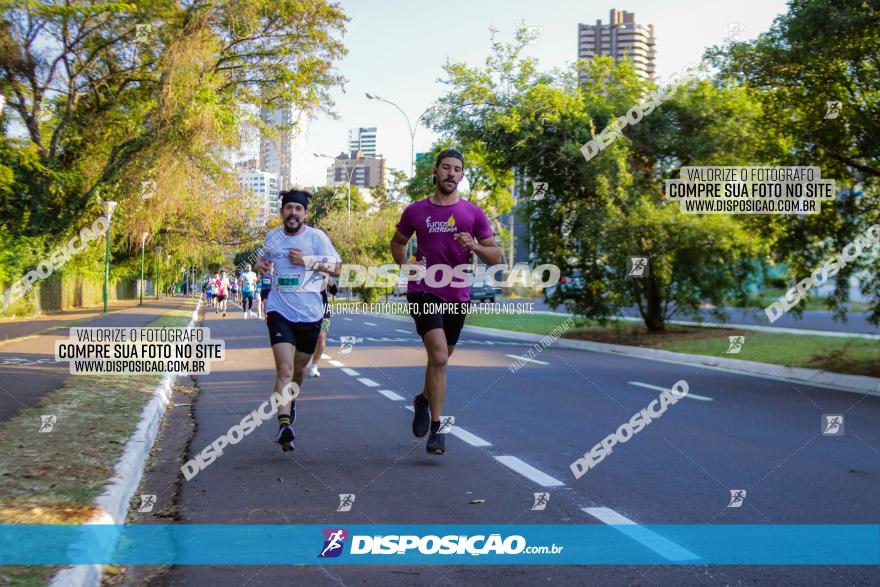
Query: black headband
[[298, 196]]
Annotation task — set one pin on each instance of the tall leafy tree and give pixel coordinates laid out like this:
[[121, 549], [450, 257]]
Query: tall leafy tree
[[138, 103], [821, 51], [599, 213]]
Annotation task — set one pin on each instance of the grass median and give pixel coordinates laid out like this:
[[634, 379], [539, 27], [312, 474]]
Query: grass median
[[856, 356], [54, 477]]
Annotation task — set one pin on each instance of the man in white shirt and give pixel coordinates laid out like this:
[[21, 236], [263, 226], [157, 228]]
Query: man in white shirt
[[297, 257]]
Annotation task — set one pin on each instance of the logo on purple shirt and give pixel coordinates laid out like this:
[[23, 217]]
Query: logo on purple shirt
[[435, 228]]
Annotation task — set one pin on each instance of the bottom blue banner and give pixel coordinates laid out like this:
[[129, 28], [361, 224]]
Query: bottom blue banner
[[587, 544]]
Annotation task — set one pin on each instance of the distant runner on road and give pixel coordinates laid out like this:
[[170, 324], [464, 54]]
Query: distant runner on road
[[214, 290], [297, 257], [448, 229], [264, 286], [330, 288], [222, 290], [248, 289]]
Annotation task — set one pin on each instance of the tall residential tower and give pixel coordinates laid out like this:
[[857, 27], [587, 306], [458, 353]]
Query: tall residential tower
[[621, 38]]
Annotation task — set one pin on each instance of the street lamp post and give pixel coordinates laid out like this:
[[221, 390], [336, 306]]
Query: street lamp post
[[412, 144], [158, 253], [167, 270], [109, 206], [350, 176], [412, 130], [141, 285]]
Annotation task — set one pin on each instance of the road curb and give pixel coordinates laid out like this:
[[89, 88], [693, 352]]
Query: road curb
[[851, 383], [112, 505], [732, 326]]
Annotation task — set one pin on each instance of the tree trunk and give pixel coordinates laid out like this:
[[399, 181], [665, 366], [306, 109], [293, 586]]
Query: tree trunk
[[654, 319]]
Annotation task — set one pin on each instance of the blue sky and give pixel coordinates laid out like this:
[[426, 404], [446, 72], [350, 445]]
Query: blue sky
[[397, 50]]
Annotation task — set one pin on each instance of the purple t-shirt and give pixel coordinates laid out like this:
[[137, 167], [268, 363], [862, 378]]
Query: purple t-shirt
[[435, 227]]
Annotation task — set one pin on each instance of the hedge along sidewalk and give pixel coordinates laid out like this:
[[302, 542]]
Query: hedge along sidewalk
[[105, 426]]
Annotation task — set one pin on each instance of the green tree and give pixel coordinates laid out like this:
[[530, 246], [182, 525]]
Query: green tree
[[602, 211], [363, 241], [820, 51], [137, 103], [327, 200]]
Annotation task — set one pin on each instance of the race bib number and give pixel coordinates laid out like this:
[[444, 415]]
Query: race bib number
[[287, 282]]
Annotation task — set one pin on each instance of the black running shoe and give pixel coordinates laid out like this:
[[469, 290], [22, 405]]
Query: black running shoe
[[421, 416], [436, 443], [285, 437]]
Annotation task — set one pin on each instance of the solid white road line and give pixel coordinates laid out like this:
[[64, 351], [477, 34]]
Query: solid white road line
[[368, 382], [662, 546], [701, 398], [390, 395], [351, 372], [471, 439], [336, 363], [529, 472], [519, 358]]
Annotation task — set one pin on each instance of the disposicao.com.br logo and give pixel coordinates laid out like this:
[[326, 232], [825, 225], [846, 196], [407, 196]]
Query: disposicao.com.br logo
[[431, 544]]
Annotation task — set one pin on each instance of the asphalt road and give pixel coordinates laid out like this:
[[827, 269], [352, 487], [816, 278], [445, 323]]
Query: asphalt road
[[857, 322], [517, 433]]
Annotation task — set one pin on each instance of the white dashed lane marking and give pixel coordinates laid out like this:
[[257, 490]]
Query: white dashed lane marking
[[529, 472], [368, 382], [519, 358], [390, 395], [471, 439], [462, 434], [336, 363], [701, 398], [351, 372], [662, 546]]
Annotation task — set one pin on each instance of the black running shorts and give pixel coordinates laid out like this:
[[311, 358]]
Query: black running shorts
[[430, 312], [302, 335]]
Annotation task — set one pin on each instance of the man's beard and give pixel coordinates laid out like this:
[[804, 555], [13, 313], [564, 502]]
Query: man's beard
[[291, 230], [445, 189]]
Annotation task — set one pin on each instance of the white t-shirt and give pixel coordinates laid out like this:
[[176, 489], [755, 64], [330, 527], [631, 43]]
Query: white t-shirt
[[296, 292], [249, 281], [214, 285]]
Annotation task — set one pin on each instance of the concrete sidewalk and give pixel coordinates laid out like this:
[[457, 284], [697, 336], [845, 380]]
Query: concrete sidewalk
[[12, 327], [28, 370]]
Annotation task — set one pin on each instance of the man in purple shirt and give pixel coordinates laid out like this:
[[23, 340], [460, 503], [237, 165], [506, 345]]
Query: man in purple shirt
[[448, 230]]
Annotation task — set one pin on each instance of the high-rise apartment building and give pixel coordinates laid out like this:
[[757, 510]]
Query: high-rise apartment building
[[363, 139], [365, 172], [261, 192], [278, 152], [621, 38]]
